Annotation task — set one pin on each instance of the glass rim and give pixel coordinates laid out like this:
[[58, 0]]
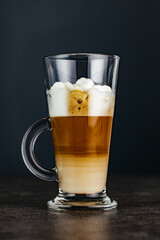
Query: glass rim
[[81, 56]]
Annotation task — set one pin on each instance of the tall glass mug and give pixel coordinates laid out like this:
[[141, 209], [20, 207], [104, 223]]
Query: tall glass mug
[[81, 97]]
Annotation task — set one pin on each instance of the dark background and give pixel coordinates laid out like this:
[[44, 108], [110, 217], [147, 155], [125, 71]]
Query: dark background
[[31, 29]]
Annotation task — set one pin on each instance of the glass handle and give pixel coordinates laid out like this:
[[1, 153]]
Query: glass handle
[[28, 155]]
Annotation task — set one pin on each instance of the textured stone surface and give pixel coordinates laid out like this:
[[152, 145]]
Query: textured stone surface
[[24, 215]]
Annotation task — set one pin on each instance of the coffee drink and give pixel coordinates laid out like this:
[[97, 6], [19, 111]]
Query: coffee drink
[[81, 118]]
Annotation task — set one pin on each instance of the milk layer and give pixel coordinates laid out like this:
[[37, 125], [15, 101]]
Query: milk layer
[[82, 175]]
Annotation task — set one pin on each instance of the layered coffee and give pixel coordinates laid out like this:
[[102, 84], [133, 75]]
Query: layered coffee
[[81, 117]]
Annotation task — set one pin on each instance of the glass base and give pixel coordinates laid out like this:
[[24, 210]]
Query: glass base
[[66, 201]]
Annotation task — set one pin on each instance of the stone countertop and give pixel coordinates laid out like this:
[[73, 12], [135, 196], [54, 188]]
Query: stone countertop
[[24, 214]]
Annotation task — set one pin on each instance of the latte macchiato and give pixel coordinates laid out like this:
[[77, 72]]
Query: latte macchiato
[[81, 118]]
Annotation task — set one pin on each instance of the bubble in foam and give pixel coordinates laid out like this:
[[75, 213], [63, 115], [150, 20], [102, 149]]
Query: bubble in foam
[[103, 88], [57, 85], [69, 86], [84, 84]]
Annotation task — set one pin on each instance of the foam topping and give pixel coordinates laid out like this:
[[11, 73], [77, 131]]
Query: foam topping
[[83, 98]]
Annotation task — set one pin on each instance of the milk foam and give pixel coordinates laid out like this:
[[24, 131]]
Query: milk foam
[[100, 98]]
